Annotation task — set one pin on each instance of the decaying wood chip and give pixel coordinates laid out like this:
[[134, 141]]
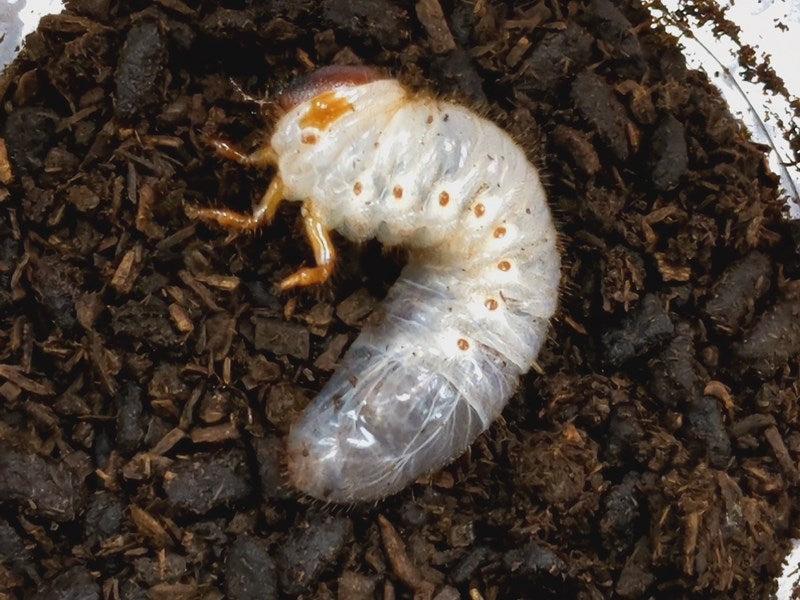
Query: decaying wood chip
[[432, 18], [402, 566], [181, 318], [42, 415], [448, 593], [106, 363], [180, 296], [528, 20], [692, 528], [763, 481], [6, 174], [177, 6], [166, 141], [329, 357], [88, 307], [174, 591], [215, 433], [27, 87], [38, 533], [634, 136], [319, 318], [356, 306], [665, 214], [144, 213], [15, 376], [65, 23], [571, 434], [641, 102], [518, 51], [187, 414], [198, 288], [750, 424], [782, 455], [196, 261], [176, 238], [172, 437], [214, 407], [388, 590], [10, 391], [574, 325], [227, 368], [578, 147], [144, 465], [227, 283], [671, 272], [444, 480], [79, 116], [127, 271], [17, 291], [150, 528]]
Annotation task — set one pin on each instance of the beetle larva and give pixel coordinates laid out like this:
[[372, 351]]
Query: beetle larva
[[470, 310]]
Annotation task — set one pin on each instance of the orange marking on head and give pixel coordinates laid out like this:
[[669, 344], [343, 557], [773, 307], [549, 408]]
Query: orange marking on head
[[499, 232], [504, 265], [357, 188], [326, 108], [397, 191], [444, 198], [463, 344], [491, 304], [480, 210], [309, 138]]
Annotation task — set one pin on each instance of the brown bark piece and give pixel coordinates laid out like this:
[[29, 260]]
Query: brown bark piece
[[402, 566]]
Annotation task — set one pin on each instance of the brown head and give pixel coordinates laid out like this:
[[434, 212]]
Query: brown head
[[325, 79]]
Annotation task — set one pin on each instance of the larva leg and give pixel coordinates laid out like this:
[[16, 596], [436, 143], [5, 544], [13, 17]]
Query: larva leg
[[261, 158], [262, 215], [324, 253]]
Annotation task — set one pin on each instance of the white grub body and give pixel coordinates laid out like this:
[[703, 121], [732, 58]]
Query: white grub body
[[470, 310]]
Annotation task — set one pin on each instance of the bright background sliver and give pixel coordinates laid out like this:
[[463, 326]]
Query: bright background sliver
[[17, 19], [772, 28], [761, 111]]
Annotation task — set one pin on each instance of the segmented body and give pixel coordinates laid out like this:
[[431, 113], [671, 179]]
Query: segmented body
[[470, 310]]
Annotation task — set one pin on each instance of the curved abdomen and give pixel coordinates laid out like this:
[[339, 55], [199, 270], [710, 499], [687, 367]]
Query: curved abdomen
[[466, 318], [413, 392]]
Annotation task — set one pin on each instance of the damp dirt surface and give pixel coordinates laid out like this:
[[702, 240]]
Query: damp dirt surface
[[149, 370]]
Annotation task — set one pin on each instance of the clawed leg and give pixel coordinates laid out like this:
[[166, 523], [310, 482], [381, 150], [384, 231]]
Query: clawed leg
[[264, 212], [324, 253], [262, 157], [262, 215]]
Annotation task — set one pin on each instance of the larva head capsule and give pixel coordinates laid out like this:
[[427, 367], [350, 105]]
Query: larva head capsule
[[325, 79]]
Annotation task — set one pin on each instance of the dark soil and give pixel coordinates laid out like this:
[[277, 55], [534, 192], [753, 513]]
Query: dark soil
[[149, 371]]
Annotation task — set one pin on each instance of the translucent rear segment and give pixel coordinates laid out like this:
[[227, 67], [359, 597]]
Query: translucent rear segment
[[398, 407]]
